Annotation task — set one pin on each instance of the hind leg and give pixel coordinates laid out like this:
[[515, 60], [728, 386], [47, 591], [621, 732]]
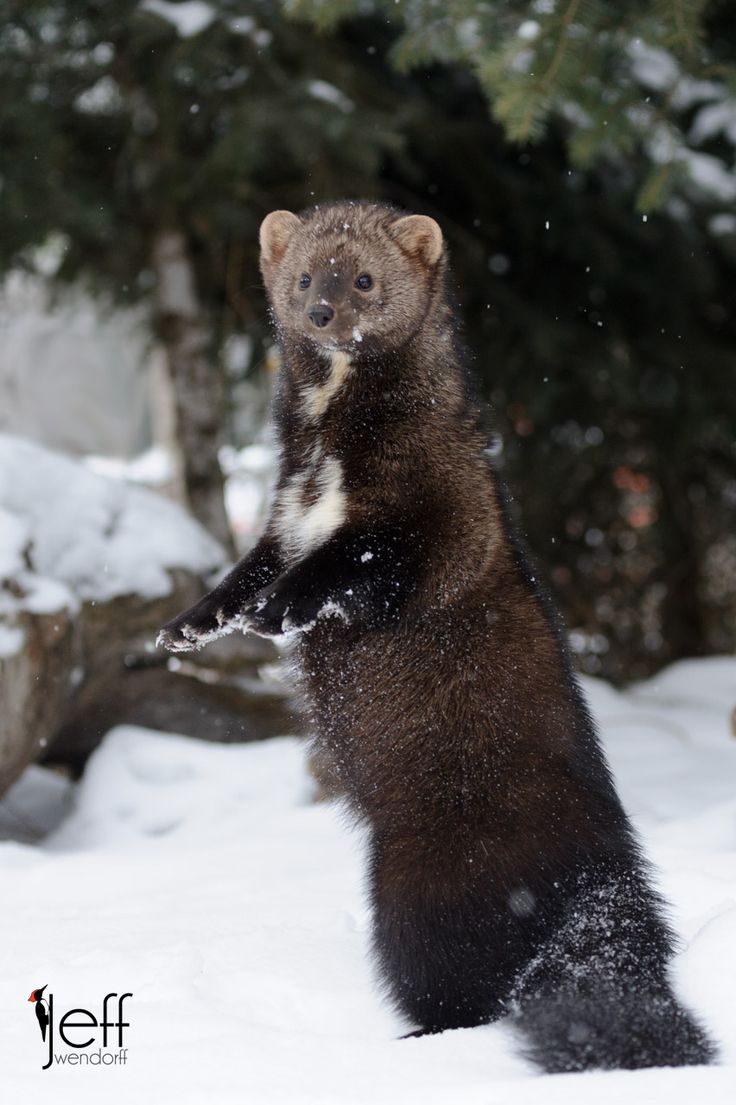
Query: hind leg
[[446, 956], [439, 972]]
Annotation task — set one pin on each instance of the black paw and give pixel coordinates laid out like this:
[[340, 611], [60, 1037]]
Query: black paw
[[205, 621], [274, 612]]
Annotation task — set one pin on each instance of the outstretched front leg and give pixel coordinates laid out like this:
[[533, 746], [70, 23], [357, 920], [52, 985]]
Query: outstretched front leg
[[222, 610], [364, 576]]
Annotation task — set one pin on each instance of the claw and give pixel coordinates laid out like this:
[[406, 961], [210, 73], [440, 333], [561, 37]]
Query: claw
[[185, 637], [181, 640]]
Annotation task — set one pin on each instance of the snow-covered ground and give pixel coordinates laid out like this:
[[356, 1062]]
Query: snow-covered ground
[[204, 880]]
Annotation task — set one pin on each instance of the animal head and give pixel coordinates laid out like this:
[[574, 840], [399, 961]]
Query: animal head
[[353, 276]]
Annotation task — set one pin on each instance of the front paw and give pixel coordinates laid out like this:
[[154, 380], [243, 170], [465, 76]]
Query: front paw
[[203, 622], [274, 613], [268, 612]]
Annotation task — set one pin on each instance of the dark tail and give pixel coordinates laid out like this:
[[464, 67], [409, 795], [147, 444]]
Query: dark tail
[[597, 995], [610, 1028]]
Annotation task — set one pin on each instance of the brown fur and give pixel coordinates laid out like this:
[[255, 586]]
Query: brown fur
[[436, 677]]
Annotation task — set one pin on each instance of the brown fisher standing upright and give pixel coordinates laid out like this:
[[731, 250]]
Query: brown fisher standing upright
[[504, 874]]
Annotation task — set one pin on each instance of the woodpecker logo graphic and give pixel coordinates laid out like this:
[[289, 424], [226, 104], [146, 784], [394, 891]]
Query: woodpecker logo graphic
[[42, 1009], [83, 1052]]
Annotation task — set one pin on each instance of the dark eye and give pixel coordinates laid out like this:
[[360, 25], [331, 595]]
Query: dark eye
[[364, 282], [304, 280]]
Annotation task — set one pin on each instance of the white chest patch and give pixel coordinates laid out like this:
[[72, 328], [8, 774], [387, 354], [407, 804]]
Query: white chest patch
[[318, 397], [302, 526]]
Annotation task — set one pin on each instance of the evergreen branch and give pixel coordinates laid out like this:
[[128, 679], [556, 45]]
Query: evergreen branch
[[685, 19], [651, 192], [525, 124], [562, 44]]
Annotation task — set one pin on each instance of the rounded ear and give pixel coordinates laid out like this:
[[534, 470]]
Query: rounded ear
[[275, 233], [419, 236]]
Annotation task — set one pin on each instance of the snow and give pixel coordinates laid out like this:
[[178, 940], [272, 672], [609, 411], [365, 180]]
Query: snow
[[710, 174], [658, 69], [249, 478], [713, 119], [725, 223], [153, 467], [189, 16], [39, 801], [706, 174], [14, 536], [202, 879], [12, 639], [652, 67], [469, 34], [323, 90], [95, 537], [102, 98], [528, 30]]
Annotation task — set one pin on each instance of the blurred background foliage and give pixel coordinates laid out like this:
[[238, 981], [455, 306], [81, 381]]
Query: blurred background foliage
[[580, 159]]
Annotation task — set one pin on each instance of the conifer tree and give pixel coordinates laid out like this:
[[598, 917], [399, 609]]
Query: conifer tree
[[653, 75], [603, 335]]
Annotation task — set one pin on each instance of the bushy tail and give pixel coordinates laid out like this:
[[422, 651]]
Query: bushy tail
[[609, 1028], [597, 994]]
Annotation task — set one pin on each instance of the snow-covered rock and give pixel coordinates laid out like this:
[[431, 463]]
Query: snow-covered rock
[[88, 567], [98, 537]]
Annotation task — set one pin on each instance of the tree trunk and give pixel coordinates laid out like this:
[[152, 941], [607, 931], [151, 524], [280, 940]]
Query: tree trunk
[[181, 327], [683, 626]]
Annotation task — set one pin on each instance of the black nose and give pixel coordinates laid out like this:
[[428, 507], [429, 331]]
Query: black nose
[[321, 315]]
